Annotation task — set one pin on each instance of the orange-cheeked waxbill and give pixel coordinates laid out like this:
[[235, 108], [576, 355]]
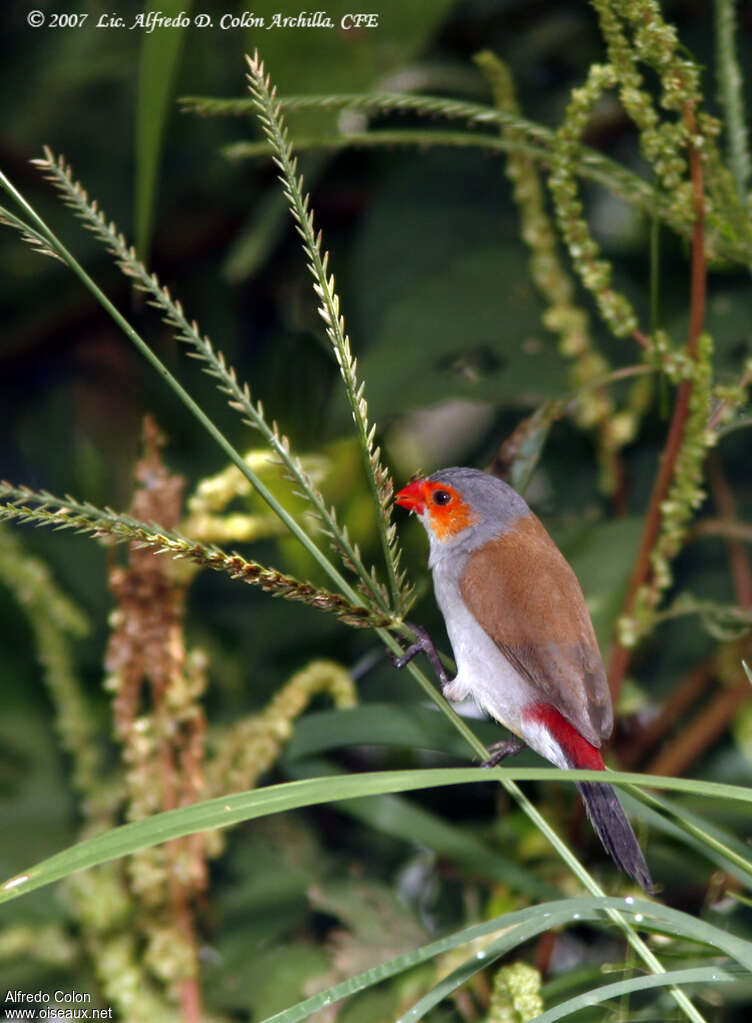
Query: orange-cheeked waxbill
[[521, 634]]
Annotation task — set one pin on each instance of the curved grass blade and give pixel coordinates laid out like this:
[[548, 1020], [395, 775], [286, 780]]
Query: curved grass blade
[[478, 962], [410, 726], [520, 926], [160, 55], [394, 815], [242, 806], [694, 975], [710, 841]]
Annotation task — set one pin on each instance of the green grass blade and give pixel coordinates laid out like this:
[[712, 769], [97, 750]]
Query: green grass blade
[[49, 238], [694, 975], [479, 961], [160, 53], [559, 913], [710, 841], [408, 726], [520, 926], [731, 95], [393, 815], [221, 812]]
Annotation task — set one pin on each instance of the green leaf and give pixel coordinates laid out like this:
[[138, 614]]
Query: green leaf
[[694, 975], [334, 60], [602, 556], [410, 726], [251, 248], [160, 52], [525, 446], [243, 806], [432, 318], [519, 927], [711, 842], [468, 338], [482, 959], [396, 816]]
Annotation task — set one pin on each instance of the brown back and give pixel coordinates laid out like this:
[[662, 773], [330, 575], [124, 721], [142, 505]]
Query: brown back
[[521, 590]]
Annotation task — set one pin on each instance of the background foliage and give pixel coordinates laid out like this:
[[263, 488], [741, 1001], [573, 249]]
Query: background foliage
[[445, 315]]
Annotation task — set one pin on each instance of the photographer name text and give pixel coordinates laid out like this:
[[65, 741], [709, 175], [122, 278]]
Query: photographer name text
[[58, 1006], [150, 21]]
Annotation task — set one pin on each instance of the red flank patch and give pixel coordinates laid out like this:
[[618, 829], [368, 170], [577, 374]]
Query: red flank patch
[[576, 748]]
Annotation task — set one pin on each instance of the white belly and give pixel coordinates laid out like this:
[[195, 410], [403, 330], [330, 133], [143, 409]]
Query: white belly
[[482, 670], [484, 673]]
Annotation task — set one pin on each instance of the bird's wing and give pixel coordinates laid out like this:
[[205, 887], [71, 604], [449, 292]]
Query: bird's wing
[[521, 590]]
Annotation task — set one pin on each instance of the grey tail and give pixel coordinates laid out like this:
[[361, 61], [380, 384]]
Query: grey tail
[[611, 825]]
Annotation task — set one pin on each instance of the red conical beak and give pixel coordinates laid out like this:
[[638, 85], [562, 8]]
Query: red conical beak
[[411, 497]]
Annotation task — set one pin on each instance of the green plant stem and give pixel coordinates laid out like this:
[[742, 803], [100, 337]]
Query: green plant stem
[[599, 169], [655, 274], [692, 829], [188, 331], [730, 89], [635, 941], [378, 482], [42, 508], [620, 655], [386, 637], [233, 455]]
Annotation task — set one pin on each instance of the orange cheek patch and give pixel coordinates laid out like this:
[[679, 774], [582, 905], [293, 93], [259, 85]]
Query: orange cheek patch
[[450, 519]]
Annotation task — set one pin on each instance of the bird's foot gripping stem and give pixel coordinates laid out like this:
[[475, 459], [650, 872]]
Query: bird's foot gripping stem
[[423, 645], [501, 750]]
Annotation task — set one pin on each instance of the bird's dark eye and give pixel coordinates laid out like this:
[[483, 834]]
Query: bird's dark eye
[[441, 497]]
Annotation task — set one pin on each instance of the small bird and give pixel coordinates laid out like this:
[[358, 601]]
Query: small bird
[[521, 634]]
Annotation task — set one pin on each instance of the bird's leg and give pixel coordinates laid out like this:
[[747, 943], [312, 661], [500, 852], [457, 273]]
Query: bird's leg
[[502, 749], [424, 644]]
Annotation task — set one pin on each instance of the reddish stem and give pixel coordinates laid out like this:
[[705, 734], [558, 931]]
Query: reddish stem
[[741, 573], [700, 733], [678, 701], [190, 999], [619, 661], [544, 951], [720, 409], [190, 991]]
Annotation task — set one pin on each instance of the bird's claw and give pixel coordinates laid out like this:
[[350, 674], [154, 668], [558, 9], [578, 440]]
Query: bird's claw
[[501, 750], [425, 645], [402, 660]]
